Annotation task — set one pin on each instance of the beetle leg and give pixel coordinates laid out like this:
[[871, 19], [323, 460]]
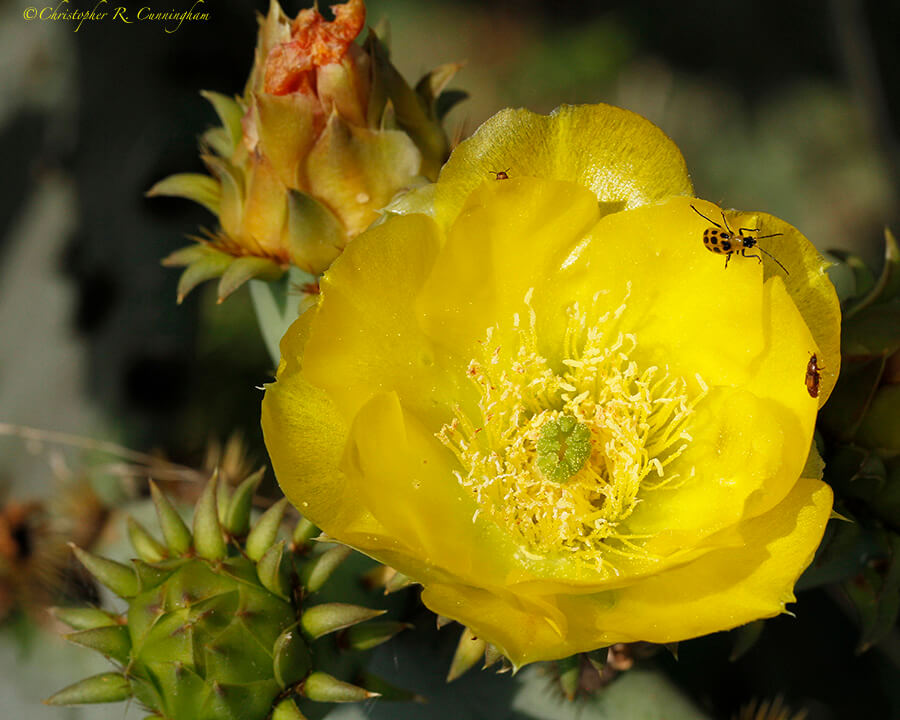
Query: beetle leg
[[758, 257]]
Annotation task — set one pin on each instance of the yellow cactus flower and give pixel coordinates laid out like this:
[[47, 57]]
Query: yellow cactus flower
[[325, 134], [543, 398]]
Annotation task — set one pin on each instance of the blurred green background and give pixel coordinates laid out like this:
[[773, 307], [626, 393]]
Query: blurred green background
[[788, 107]]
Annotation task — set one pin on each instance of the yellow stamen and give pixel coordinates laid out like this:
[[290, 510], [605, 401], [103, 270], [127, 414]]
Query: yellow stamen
[[637, 419]]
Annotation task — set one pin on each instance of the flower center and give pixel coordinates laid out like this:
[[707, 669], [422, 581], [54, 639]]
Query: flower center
[[560, 452], [563, 447]]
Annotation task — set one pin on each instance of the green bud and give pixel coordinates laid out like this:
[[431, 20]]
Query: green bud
[[150, 575], [262, 537], [208, 540], [287, 710], [322, 687], [176, 534], [223, 499], [290, 657], [271, 571], [237, 517], [304, 531], [112, 641], [148, 548], [326, 618], [119, 578], [84, 618], [103, 688], [318, 569]]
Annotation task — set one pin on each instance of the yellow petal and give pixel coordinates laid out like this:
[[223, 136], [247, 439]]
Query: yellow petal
[[436, 516], [510, 237], [809, 288], [366, 336], [736, 449], [524, 628], [688, 312], [622, 158], [305, 436], [721, 590]]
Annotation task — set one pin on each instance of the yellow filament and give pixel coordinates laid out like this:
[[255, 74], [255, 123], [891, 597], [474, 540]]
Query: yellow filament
[[637, 418]]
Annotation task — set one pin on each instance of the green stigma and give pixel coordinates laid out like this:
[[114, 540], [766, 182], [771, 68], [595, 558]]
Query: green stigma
[[563, 448]]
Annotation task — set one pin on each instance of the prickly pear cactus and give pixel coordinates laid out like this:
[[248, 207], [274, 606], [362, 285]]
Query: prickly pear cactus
[[218, 625]]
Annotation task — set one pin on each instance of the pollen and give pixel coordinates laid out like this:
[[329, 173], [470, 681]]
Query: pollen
[[567, 441]]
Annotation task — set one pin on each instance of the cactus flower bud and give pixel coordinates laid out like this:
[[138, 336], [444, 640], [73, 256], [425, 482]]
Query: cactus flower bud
[[325, 134]]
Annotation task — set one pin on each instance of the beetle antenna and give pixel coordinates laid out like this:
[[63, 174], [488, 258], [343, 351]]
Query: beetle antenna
[[774, 258], [725, 220], [704, 217], [763, 237]]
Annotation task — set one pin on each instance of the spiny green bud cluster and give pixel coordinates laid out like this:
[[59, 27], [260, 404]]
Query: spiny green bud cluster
[[218, 624]]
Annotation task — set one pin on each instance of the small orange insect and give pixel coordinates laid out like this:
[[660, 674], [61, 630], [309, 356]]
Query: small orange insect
[[813, 377], [500, 174], [725, 241]]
